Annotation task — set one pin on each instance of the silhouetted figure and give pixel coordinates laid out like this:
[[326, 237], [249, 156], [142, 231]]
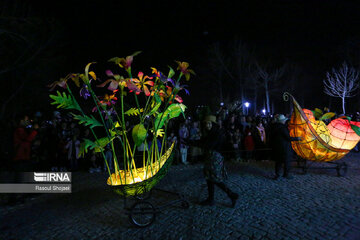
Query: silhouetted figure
[[214, 170], [23, 137], [281, 146]]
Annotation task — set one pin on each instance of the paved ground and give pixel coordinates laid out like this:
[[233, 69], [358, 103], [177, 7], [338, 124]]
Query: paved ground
[[318, 205]]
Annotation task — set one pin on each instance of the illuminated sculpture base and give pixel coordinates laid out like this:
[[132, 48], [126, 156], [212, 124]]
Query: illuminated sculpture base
[[142, 181]]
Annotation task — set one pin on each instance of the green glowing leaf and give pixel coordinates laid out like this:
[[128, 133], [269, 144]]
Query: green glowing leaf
[[88, 121], [171, 72], [64, 101], [97, 146], [173, 111], [135, 53], [139, 134], [176, 109], [317, 113], [116, 60], [84, 147], [157, 101], [133, 111], [327, 116], [101, 143], [356, 129]]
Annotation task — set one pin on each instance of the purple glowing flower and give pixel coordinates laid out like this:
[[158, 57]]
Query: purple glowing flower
[[84, 92]]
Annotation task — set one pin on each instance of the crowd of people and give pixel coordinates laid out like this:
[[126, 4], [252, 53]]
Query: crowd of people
[[245, 138], [53, 144]]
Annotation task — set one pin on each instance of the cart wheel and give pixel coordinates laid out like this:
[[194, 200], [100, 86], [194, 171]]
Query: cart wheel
[[341, 169], [301, 163], [185, 204], [142, 214]]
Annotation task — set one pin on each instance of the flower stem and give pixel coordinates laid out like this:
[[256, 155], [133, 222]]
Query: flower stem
[[92, 131]]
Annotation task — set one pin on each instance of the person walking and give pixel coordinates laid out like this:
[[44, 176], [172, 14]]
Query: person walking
[[280, 143], [214, 170]]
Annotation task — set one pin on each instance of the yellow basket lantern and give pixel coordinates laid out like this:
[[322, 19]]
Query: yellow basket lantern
[[157, 101]]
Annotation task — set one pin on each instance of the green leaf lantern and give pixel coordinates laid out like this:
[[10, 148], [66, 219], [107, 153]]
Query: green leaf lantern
[[139, 134]]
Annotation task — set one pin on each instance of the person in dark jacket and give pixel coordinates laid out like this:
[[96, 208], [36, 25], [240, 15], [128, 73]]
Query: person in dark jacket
[[214, 170], [281, 146]]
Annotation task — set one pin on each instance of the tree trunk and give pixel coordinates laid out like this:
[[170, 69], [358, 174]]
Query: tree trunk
[[343, 104], [242, 101], [267, 97], [221, 93], [255, 99]]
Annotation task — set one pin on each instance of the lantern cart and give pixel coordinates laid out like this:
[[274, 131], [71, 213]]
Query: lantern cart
[[305, 165], [320, 143], [141, 211], [154, 110]]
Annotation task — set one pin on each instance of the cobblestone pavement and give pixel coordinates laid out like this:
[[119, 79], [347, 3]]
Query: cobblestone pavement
[[317, 205]]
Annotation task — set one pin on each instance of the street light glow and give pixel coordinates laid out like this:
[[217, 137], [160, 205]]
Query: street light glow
[[247, 104], [264, 111]]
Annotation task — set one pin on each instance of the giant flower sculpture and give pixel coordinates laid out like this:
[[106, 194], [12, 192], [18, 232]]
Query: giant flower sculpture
[[146, 101], [321, 142]]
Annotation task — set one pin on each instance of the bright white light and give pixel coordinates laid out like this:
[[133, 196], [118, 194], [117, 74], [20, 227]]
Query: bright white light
[[264, 111], [247, 104]]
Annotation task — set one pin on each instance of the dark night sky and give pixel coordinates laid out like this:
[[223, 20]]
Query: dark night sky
[[308, 33], [303, 30]]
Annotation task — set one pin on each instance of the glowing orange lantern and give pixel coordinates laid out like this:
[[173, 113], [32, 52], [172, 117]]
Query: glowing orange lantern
[[342, 135], [320, 142]]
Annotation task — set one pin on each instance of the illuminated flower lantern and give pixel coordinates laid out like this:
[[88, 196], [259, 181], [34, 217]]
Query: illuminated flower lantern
[[320, 142], [156, 101]]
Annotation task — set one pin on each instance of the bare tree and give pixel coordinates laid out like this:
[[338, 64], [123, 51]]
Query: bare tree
[[234, 67], [219, 64], [342, 83], [243, 62], [268, 76], [253, 83]]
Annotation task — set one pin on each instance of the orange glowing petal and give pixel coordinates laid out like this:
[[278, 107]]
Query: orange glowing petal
[[146, 90], [135, 80], [178, 99], [150, 83], [93, 75], [169, 90], [309, 114], [155, 71]]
